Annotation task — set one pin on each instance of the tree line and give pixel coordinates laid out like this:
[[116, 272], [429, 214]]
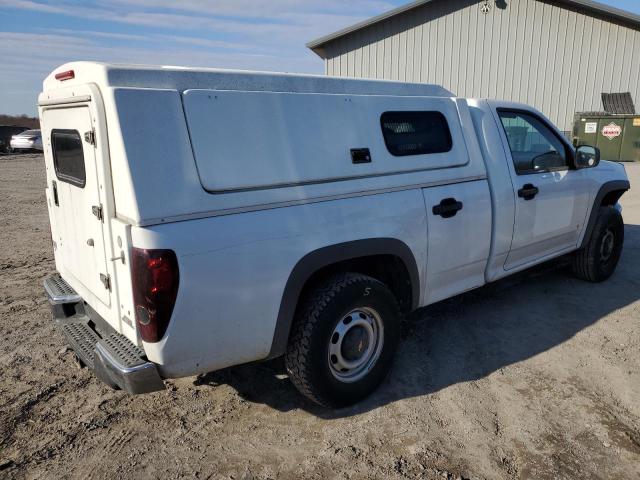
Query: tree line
[[20, 121]]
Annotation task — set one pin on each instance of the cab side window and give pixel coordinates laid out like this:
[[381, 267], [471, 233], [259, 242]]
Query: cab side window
[[535, 148]]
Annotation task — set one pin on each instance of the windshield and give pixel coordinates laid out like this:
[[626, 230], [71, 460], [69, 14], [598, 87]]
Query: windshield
[[31, 132]]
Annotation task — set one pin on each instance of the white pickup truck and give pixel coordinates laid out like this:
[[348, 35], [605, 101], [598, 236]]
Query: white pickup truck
[[206, 218]]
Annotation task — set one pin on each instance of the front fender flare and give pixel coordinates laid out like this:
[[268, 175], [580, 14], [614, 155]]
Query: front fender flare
[[619, 186]]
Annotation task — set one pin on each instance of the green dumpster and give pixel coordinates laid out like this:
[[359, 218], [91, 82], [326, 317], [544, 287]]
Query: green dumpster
[[630, 149], [617, 136]]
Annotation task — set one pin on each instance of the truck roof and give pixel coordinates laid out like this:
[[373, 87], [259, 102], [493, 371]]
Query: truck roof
[[185, 78]]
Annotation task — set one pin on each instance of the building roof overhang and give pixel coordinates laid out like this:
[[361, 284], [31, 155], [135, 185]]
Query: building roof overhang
[[592, 7]]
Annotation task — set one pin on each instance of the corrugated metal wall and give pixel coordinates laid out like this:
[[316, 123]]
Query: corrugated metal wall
[[556, 59]]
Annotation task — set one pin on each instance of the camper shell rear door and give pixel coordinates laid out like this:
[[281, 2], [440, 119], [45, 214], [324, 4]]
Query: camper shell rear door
[[91, 244], [76, 206]]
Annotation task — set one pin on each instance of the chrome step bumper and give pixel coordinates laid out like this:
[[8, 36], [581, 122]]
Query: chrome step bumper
[[113, 358], [59, 291]]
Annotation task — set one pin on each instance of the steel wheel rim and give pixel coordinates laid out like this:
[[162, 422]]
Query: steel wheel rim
[[607, 246], [355, 344]]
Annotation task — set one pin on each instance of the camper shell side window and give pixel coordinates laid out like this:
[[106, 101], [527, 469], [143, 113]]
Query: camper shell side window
[[68, 157], [415, 133]]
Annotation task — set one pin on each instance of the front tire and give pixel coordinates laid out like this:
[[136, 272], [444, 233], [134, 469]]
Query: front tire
[[597, 260], [343, 340]]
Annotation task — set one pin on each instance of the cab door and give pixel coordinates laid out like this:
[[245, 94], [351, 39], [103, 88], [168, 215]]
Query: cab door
[[75, 206], [459, 231], [551, 197]]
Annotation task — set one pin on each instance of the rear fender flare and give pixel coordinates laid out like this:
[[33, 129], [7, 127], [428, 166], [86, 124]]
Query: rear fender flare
[[326, 256]]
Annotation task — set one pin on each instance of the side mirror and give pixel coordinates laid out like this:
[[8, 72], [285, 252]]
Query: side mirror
[[548, 161], [587, 156]]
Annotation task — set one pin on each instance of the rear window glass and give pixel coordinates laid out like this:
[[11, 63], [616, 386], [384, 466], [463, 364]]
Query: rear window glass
[[68, 157], [415, 133]]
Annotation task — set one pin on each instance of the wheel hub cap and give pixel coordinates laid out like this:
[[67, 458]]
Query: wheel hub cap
[[607, 246], [355, 344]]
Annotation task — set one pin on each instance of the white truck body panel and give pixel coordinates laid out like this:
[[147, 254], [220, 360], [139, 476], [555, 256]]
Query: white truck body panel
[[450, 274], [218, 254], [243, 174]]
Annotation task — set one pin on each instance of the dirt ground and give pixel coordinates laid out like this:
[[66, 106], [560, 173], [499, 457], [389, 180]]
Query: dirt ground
[[532, 378]]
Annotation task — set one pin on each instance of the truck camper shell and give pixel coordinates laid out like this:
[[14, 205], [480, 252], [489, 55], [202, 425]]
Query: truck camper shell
[[310, 126]]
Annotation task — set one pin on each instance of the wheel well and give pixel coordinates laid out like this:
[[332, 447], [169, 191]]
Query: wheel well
[[609, 193], [388, 260], [388, 269], [612, 197]]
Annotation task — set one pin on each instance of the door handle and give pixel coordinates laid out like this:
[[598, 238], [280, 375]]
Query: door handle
[[447, 208], [54, 187], [528, 191]]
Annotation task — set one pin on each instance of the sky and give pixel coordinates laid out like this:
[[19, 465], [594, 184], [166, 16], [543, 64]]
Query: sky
[[36, 36]]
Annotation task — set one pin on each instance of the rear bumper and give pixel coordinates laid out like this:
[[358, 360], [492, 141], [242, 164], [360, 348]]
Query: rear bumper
[[113, 358]]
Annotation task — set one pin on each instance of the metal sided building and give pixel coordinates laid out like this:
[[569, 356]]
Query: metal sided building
[[557, 55]]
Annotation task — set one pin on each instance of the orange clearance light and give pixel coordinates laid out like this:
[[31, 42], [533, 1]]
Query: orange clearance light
[[68, 75]]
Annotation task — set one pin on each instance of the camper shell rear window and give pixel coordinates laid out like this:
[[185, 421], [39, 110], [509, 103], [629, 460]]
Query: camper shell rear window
[[415, 133], [68, 157]]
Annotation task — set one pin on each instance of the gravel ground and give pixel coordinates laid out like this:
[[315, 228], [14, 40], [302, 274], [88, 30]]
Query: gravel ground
[[533, 377]]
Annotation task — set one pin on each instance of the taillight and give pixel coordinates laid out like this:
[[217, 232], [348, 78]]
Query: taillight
[[155, 278]]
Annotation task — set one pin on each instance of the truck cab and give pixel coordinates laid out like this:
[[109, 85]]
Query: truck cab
[[205, 218]]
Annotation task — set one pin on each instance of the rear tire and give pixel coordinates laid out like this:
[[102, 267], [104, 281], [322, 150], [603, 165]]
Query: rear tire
[[343, 340], [597, 260]]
